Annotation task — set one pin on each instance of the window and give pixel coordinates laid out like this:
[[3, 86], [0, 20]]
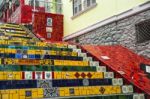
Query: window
[[58, 6], [31, 2], [77, 6], [17, 3], [80, 6], [88, 3], [143, 31]]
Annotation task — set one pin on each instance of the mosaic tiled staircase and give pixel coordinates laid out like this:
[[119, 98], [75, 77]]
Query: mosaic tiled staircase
[[30, 68]]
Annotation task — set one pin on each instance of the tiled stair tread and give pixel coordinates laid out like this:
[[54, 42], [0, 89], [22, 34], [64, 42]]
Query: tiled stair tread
[[51, 70], [10, 28], [20, 35], [20, 84], [121, 96]]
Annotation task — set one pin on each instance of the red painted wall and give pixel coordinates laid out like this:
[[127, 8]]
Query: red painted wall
[[40, 24]]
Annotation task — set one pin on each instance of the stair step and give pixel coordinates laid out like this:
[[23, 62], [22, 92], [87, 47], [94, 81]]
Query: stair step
[[30, 68]]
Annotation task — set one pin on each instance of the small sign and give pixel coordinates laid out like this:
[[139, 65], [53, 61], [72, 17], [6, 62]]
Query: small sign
[[49, 21], [105, 57], [48, 35], [49, 29], [148, 69]]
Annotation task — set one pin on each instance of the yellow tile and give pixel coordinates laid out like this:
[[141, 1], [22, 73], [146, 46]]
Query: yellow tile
[[13, 91], [62, 93], [34, 94], [67, 92], [1, 75], [18, 76], [40, 91], [2, 50], [21, 97], [39, 52], [13, 51], [76, 92], [41, 96], [52, 52], [10, 96], [4, 91], [74, 54], [63, 75], [22, 92], [57, 75], [92, 92], [16, 96], [31, 52], [84, 92], [5, 96], [118, 89], [87, 92], [80, 90], [9, 75]]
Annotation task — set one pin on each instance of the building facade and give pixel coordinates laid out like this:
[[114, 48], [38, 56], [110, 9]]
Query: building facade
[[43, 17], [109, 22]]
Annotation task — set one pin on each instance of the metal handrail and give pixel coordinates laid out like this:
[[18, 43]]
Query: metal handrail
[[30, 33]]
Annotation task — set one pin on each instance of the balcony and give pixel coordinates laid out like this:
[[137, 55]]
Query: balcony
[[49, 7]]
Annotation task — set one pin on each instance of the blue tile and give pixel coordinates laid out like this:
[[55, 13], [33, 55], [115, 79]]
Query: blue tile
[[31, 56], [37, 56], [18, 55], [11, 46]]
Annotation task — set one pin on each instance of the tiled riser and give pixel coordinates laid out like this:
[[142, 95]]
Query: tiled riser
[[77, 75], [30, 50], [38, 56], [20, 84], [49, 75], [31, 45], [60, 92], [11, 61]]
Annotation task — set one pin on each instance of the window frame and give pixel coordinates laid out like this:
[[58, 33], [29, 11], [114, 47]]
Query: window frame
[[76, 5], [142, 34]]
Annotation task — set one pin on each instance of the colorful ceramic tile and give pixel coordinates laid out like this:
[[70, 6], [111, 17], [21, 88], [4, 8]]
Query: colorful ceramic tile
[[44, 84], [28, 75], [28, 93], [85, 82], [51, 92], [38, 75], [48, 75]]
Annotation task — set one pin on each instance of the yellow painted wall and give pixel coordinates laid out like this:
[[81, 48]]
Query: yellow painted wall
[[103, 10]]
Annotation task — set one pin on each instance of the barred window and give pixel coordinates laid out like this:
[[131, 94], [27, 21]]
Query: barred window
[[81, 5], [31, 2], [77, 6], [88, 3], [143, 31]]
